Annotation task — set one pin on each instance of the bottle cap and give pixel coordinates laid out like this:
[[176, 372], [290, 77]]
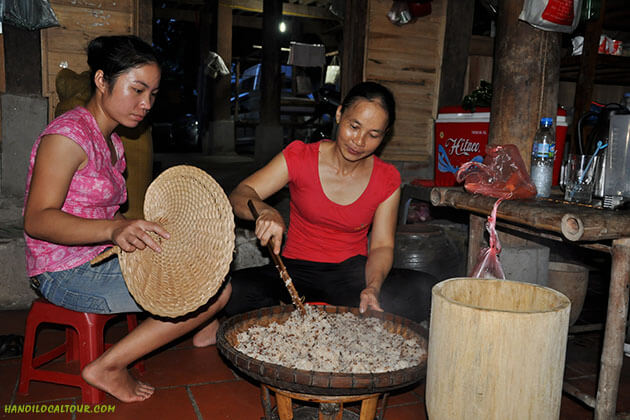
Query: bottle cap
[[546, 122]]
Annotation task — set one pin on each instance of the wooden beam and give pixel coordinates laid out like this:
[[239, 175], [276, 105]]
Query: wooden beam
[[481, 45], [144, 20], [459, 21], [242, 21], [288, 9], [586, 74], [224, 49], [178, 14], [270, 75], [354, 39]]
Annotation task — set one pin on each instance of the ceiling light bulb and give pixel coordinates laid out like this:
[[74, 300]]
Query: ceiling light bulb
[[282, 27]]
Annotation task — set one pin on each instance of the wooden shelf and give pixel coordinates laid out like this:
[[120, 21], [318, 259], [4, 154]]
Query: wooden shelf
[[609, 69]]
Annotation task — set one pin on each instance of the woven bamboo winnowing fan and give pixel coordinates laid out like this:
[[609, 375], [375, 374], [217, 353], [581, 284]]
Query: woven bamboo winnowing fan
[[194, 261]]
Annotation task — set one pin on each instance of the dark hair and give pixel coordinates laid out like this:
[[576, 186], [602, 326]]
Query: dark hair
[[372, 92], [116, 54]]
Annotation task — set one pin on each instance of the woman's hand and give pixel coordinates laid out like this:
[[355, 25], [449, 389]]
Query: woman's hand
[[256, 188], [270, 227], [369, 300], [130, 235]]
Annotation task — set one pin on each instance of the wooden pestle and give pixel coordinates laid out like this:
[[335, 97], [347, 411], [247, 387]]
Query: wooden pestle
[[284, 274]]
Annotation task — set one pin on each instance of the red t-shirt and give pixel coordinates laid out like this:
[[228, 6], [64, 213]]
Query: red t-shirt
[[319, 229]]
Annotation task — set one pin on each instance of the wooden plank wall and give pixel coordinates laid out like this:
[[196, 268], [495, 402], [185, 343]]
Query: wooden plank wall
[[480, 62], [407, 59], [81, 21]]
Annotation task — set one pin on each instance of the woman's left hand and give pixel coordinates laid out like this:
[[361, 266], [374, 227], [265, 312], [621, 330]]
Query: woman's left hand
[[369, 300]]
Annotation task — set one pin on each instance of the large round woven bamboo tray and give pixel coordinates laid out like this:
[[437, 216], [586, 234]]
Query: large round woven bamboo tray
[[319, 383], [194, 261]]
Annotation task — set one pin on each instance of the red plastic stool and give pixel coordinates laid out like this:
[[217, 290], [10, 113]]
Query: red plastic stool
[[84, 341]]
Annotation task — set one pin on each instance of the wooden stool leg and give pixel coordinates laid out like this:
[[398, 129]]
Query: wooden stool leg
[[285, 409], [266, 401], [368, 408]]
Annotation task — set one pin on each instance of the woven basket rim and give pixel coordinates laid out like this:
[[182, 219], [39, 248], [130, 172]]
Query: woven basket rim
[[321, 383], [194, 262]]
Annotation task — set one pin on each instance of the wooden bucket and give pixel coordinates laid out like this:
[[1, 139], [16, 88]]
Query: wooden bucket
[[496, 350]]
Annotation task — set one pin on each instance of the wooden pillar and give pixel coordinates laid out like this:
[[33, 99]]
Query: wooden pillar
[[459, 21], [144, 20], [269, 137], [526, 78], [221, 127], [205, 101], [614, 334], [354, 37], [586, 74]]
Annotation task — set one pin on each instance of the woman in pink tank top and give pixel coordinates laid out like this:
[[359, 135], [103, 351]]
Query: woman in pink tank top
[[74, 191]]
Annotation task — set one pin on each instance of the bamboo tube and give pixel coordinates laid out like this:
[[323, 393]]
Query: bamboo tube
[[575, 223], [496, 350]]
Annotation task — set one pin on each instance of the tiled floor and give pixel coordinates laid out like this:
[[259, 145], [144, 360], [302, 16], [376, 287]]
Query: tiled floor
[[197, 384]]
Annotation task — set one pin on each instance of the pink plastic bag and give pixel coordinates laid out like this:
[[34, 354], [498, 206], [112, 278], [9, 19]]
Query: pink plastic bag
[[501, 175], [488, 265]]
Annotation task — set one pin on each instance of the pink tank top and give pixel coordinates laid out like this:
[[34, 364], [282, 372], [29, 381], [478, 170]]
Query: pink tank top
[[95, 192]]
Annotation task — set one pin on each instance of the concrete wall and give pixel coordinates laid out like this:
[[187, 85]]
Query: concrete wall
[[23, 119]]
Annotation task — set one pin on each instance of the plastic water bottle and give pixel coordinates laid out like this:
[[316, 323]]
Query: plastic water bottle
[[543, 152]]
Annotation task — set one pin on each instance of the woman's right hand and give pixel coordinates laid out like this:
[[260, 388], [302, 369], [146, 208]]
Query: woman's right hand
[[130, 235], [270, 226]]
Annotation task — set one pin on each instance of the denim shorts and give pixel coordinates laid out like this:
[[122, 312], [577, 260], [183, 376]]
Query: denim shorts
[[97, 289]]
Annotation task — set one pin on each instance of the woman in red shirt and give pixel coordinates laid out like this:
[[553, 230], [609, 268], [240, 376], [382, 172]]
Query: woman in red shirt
[[341, 193]]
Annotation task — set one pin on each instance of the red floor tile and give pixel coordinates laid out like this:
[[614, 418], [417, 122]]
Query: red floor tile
[[571, 409], [236, 400], [406, 412], [9, 371], [181, 371], [13, 322], [186, 366], [42, 391], [407, 396], [38, 416], [167, 403]]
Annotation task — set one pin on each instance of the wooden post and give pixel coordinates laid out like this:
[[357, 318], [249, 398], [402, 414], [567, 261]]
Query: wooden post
[[285, 408], [526, 78], [207, 92], [476, 230], [354, 36], [144, 20], [614, 336], [586, 73], [368, 407], [222, 125], [459, 21], [3, 80], [269, 138], [266, 401]]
